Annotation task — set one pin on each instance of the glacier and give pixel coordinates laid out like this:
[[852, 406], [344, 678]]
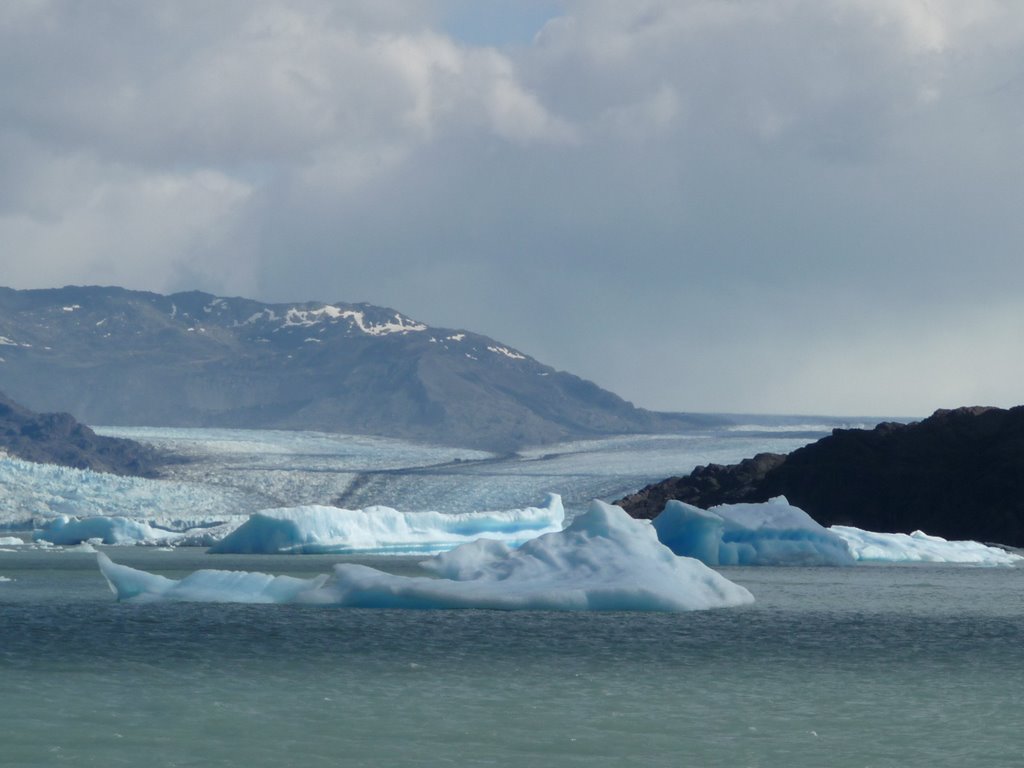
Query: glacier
[[288, 469], [778, 533], [317, 529], [603, 561], [30, 493], [772, 533]]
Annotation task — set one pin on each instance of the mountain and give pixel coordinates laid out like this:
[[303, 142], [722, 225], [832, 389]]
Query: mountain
[[56, 438], [958, 474], [118, 357]]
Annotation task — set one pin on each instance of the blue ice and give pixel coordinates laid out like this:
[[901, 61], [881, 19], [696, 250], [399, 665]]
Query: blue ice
[[772, 533], [603, 561]]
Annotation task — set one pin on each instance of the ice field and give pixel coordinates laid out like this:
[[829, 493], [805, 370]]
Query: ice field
[[238, 472], [257, 491]]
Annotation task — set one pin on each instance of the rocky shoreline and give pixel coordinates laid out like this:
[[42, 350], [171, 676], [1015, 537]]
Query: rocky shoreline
[[958, 474]]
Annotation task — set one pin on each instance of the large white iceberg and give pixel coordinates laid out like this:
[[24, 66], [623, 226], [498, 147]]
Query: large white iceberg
[[604, 560], [382, 530], [919, 547], [772, 533]]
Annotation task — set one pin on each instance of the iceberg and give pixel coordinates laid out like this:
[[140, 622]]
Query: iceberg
[[205, 586], [10, 541], [603, 561], [777, 533], [919, 547], [772, 533], [66, 531], [382, 530]]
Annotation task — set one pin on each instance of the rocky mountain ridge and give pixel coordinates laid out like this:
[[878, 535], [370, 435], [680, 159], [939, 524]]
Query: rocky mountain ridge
[[120, 357]]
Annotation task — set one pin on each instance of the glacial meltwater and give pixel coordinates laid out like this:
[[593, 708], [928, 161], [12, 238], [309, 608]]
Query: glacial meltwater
[[860, 666]]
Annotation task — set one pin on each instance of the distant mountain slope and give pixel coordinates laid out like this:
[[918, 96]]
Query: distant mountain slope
[[56, 438], [114, 356], [958, 474]]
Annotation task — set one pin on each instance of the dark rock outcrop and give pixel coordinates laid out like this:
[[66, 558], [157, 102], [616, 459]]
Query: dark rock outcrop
[[957, 474], [705, 487], [57, 438]]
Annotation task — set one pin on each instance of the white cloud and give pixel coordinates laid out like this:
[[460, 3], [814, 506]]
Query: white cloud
[[711, 162], [127, 228], [248, 98]]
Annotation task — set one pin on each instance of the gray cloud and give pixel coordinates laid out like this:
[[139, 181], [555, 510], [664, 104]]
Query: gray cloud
[[776, 205]]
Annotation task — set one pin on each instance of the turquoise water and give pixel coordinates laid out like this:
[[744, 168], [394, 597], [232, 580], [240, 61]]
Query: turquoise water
[[863, 666]]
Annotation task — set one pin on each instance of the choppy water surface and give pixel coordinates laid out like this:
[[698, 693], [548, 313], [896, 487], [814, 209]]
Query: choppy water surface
[[863, 666]]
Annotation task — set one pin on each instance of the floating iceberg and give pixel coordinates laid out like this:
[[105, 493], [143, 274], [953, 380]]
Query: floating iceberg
[[206, 586], [772, 533], [65, 530], [604, 561], [777, 533], [10, 541], [382, 530], [919, 547]]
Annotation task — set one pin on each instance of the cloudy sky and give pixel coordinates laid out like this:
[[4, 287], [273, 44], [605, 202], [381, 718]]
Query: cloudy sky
[[811, 206]]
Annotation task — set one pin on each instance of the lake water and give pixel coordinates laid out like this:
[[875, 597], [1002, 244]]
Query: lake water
[[861, 666]]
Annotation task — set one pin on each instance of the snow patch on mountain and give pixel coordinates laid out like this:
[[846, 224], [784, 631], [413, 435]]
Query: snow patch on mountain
[[509, 353], [296, 317]]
